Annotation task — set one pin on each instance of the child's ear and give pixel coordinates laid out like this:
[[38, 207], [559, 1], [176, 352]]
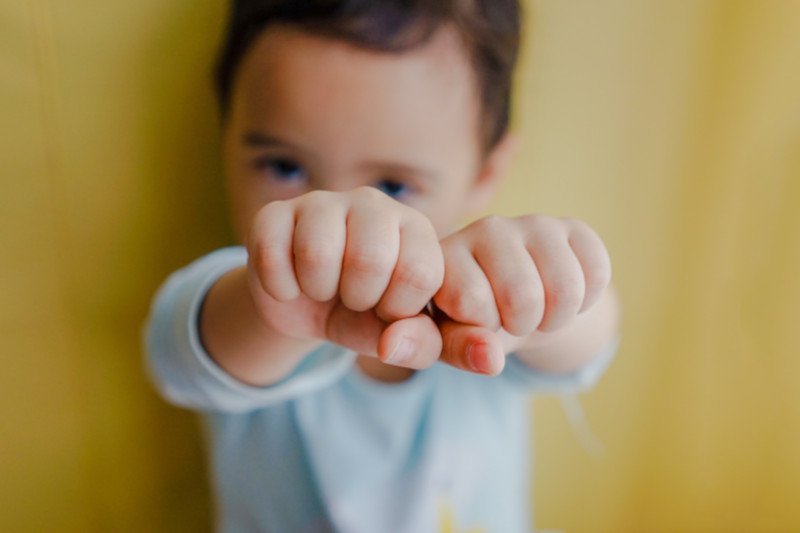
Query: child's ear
[[494, 168]]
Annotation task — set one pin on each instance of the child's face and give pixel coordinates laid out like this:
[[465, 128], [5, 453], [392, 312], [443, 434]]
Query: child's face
[[313, 113]]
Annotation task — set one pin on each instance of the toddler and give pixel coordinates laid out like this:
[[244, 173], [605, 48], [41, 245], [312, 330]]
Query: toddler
[[359, 365]]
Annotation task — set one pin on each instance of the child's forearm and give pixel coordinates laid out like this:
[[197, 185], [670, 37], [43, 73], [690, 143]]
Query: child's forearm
[[239, 341], [575, 345]]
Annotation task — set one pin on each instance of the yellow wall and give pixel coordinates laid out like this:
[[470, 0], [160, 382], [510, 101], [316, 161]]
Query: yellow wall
[[673, 127]]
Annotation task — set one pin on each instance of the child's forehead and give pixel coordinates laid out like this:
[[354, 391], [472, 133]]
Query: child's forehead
[[289, 56], [329, 93]]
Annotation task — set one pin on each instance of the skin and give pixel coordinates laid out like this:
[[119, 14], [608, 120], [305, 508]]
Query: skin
[[319, 135]]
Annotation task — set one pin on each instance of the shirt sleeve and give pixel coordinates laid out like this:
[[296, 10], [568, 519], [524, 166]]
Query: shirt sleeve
[[519, 374], [186, 375]]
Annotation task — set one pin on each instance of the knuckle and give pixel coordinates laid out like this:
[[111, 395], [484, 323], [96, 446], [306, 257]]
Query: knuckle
[[315, 199], [265, 256], [354, 299], [314, 255], [272, 208], [425, 228], [577, 224], [467, 305], [368, 194], [368, 261], [492, 224], [317, 195], [420, 277], [539, 225], [518, 298], [535, 220], [565, 291], [264, 218], [599, 275], [421, 219], [522, 309]]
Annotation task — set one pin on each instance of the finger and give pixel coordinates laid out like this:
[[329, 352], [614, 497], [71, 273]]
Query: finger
[[357, 330], [594, 260], [269, 247], [418, 273], [411, 343], [561, 275], [371, 251], [319, 240], [471, 348], [516, 286], [466, 295]]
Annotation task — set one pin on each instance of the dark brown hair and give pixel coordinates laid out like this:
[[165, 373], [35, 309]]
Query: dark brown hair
[[490, 30]]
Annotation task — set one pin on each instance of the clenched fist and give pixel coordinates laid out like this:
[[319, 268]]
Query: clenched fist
[[355, 268], [520, 274]]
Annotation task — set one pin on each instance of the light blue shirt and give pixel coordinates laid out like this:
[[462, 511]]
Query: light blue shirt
[[328, 449]]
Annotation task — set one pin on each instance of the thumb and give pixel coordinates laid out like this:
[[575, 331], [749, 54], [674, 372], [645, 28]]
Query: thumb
[[471, 348], [412, 342]]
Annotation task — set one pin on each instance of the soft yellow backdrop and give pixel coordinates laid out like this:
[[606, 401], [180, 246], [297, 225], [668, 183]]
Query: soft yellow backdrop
[[673, 127]]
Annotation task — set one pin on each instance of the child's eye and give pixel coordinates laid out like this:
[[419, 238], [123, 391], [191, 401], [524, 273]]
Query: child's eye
[[282, 169], [396, 189]]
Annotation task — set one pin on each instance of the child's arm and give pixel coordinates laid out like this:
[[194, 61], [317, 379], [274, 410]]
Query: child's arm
[[336, 266], [544, 280]]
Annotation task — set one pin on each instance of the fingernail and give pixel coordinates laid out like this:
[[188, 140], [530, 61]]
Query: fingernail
[[478, 358], [403, 352]]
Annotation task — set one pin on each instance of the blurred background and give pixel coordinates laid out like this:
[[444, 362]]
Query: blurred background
[[673, 127]]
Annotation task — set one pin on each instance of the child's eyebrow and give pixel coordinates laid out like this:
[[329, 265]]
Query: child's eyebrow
[[257, 139]]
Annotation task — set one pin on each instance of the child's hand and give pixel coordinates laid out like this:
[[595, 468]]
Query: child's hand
[[522, 274], [340, 265]]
